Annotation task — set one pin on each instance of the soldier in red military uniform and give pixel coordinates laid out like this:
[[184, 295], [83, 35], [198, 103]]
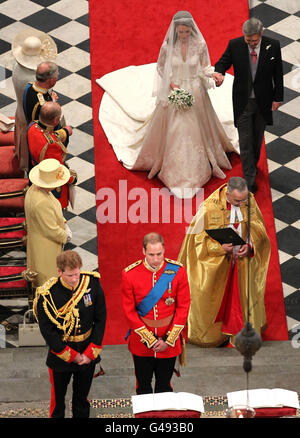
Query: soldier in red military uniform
[[44, 142], [156, 301]]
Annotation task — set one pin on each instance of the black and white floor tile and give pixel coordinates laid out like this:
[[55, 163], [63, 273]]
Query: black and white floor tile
[[67, 21], [281, 19]]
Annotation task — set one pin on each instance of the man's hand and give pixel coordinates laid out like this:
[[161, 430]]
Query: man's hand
[[84, 360], [77, 359], [228, 247], [173, 86], [159, 346], [69, 129], [54, 96], [275, 106], [81, 359], [243, 251], [218, 78]]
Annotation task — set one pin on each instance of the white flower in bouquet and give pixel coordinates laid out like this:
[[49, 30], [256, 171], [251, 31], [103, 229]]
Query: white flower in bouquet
[[181, 99]]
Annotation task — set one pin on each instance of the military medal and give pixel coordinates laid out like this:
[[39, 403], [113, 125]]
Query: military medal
[[169, 301], [87, 299]]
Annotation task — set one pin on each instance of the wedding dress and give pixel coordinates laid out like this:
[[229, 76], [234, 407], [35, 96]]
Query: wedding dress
[[183, 148]]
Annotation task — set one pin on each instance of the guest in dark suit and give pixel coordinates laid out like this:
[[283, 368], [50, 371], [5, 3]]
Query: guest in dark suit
[[257, 89]]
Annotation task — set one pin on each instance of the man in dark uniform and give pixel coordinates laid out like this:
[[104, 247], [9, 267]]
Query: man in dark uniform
[[40, 91], [257, 89], [156, 300], [71, 312]]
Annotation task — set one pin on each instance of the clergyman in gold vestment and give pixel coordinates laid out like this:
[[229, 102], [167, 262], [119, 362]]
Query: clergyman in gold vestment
[[46, 231], [210, 266]]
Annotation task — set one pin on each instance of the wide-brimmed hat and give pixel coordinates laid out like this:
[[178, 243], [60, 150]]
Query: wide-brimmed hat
[[49, 173], [31, 47]]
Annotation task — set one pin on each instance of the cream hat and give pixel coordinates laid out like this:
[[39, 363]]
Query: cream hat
[[31, 47], [49, 174]]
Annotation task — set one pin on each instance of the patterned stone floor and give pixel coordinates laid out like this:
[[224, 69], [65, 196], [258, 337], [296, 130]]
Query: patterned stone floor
[[215, 407], [281, 19], [67, 21]]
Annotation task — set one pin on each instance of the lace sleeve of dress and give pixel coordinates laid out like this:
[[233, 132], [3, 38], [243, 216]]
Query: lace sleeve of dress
[[205, 60], [162, 60], [205, 70]]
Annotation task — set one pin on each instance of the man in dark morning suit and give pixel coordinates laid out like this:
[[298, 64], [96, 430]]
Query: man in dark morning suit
[[257, 89]]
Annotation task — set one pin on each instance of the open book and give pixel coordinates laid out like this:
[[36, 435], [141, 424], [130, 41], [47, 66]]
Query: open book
[[225, 235], [162, 401], [263, 398]]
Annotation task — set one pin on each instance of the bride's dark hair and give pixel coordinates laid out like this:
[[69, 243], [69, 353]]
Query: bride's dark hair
[[183, 18]]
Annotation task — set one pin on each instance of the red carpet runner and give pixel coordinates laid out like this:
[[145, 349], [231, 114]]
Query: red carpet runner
[[131, 33]]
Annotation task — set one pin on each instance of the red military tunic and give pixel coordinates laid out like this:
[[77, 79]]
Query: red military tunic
[[165, 320], [44, 142]]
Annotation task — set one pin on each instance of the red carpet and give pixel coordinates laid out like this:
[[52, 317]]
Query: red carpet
[[131, 33]]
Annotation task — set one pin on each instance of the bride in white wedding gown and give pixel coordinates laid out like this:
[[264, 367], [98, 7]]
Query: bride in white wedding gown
[[183, 148]]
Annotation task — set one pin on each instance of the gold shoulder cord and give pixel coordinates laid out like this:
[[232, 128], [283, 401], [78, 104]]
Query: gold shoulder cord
[[42, 290], [174, 262], [34, 111], [133, 265], [68, 313], [92, 273]]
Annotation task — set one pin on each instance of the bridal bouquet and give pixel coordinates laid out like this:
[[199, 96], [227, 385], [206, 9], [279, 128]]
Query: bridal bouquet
[[181, 99]]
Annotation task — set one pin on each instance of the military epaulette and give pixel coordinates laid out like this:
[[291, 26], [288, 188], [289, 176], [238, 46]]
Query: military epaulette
[[61, 134], [133, 265], [46, 286], [92, 273], [175, 262], [42, 290]]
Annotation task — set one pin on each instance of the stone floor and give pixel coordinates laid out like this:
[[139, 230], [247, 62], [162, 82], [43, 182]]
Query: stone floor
[[24, 385], [210, 372]]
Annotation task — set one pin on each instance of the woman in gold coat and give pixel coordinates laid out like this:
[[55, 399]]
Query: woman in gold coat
[[218, 279], [46, 230]]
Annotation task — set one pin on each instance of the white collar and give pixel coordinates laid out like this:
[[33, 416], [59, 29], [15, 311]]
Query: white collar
[[236, 212]]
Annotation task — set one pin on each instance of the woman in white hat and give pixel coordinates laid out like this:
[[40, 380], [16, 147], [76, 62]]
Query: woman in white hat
[[29, 48], [46, 228]]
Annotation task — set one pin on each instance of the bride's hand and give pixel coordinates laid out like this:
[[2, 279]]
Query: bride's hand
[[173, 86]]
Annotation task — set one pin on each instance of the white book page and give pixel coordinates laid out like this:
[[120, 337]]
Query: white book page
[[190, 401], [255, 398], [262, 398], [285, 397], [167, 401], [142, 403]]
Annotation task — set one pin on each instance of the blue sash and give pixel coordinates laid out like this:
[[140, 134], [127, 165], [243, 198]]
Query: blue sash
[[157, 291]]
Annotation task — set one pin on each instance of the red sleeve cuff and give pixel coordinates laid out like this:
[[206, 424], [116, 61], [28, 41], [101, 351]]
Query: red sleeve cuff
[[67, 354], [92, 351]]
